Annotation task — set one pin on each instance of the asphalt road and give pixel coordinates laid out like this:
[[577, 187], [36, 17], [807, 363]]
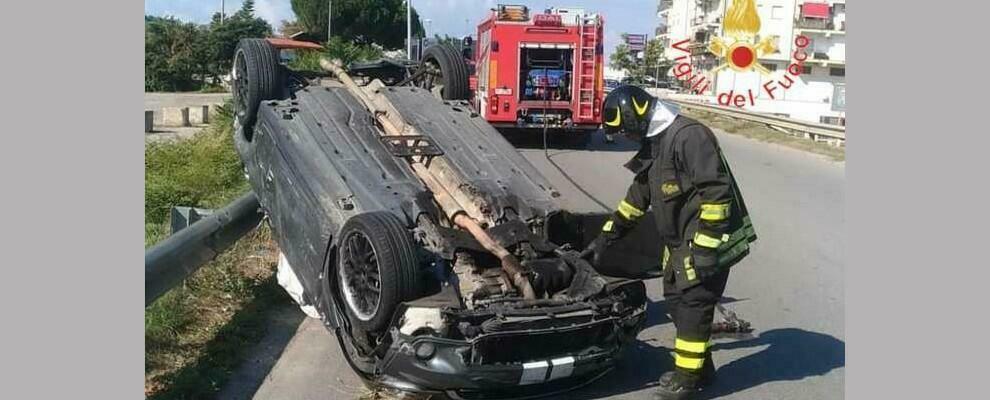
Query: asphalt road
[[790, 288]]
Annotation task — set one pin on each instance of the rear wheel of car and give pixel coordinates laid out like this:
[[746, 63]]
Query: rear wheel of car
[[377, 268], [257, 76], [447, 73]]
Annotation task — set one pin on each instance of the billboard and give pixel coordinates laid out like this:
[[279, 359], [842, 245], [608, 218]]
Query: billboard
[[636, 42]]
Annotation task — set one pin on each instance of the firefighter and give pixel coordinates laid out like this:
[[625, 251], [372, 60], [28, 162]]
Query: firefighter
[[681, 174]]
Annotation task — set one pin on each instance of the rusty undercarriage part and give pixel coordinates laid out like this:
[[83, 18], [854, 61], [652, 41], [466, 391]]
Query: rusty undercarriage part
[[463, 208]]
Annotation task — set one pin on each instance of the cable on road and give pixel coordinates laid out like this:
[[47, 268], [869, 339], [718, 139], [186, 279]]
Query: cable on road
[[546, 151]]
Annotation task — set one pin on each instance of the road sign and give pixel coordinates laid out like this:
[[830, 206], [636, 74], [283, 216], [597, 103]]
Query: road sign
[[839, 97], [636, 42]]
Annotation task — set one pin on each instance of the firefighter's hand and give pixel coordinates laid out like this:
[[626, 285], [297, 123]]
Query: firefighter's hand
[[705, 261], [596, 249]]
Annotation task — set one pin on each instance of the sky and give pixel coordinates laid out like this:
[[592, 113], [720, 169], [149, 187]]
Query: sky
[[447, 17]]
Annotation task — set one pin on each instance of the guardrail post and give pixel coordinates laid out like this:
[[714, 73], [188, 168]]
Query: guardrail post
[[175, 116], [200, 115], [149, 121]]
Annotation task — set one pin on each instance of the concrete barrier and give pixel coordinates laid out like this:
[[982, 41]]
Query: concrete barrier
[[175, 116], [149, 121], [199, 115]]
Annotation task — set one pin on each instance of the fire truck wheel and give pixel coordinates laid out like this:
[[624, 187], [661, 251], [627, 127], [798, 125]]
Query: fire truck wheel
[[452, 69], [256, 77]]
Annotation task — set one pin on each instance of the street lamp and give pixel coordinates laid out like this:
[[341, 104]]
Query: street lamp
[[409, 29], [329, 18]]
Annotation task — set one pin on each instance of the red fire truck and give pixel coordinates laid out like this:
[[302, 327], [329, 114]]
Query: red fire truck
[[525, 71], [535, 70]]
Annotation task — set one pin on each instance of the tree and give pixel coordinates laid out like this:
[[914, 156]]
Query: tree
[[655, 64], [182, 56], [289, 28], [173, 58], [623, 58], [223, 37], [379, 22]]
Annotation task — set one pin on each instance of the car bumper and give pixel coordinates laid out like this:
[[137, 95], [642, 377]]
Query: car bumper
[[432, 365]]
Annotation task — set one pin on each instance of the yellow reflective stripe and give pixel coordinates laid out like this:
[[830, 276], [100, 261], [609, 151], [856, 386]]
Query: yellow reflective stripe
[[687, 345], [714, 212], [689, 269], [640, 110], [617, 121], [628, 211], [666, 257], [688, 362], [704, 240], [608, 226]]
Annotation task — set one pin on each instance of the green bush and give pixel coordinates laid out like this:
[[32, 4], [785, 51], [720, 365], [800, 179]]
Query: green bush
[[202, 171], [196, 334], [337, 48]]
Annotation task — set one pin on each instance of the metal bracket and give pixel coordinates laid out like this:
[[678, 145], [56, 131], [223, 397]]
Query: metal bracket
[[410, 145], [181, 217]]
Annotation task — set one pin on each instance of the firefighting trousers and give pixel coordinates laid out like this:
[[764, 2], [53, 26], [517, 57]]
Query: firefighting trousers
[[692, 310]]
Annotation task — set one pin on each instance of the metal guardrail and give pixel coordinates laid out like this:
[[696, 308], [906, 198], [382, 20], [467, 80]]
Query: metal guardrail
[[811, 130], [173, 259]]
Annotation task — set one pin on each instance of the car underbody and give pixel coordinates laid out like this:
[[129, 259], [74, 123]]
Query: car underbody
[[417, 302]]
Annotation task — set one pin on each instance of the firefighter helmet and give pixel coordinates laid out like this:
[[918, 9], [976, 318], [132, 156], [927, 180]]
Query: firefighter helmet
[[627, 110]]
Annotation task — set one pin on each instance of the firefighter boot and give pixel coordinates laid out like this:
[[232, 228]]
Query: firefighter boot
[[678, 385], [682, 385]]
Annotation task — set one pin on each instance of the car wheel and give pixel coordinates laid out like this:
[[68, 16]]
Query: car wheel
[[377, 268], [257, 76], [448, 73]]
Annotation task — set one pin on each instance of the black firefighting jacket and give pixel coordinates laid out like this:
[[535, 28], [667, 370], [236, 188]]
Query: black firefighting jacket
[[700, 214]]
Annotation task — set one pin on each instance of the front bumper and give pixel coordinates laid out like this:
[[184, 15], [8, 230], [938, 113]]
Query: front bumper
[[527, 364]]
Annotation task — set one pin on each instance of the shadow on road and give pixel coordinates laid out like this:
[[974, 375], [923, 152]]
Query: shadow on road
[[242, 351], [792, 354], [282, 323]]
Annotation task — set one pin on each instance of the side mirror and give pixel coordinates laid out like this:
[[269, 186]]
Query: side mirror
[[468, 40]]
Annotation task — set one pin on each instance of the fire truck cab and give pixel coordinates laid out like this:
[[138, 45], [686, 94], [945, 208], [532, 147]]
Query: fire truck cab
[[537, 70]]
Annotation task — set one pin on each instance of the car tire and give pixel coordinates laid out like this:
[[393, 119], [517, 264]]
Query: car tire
[[377, 268], [453, 69], [257, 76]]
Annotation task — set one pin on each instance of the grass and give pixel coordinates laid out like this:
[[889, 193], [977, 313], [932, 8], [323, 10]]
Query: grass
[[766, 134], [196, 334]]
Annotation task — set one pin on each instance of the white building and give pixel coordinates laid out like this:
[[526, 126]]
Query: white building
[[818, 94]]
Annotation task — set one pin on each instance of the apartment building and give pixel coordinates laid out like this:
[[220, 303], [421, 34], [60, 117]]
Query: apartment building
[[818, 94]]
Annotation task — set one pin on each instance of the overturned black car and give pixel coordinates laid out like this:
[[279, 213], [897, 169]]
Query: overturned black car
[[416, 302]]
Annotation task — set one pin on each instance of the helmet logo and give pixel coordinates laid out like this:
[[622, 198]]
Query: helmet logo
[[640, 110], [617, 121]]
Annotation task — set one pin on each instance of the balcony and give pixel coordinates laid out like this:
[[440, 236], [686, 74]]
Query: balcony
[[822, 58], [817, 25]]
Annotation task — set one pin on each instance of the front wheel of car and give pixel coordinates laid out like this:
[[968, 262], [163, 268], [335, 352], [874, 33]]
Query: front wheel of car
[[377, 268]]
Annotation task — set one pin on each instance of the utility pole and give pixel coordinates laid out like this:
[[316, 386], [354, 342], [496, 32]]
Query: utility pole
[[409, 29], [329, 18], [222, 8]]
